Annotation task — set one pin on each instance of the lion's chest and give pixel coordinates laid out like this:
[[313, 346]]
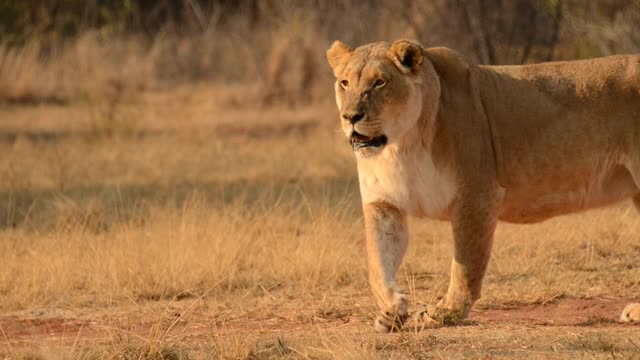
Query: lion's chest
[[411, 182]]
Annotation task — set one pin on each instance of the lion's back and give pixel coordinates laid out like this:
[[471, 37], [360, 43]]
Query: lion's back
[[563, 133]]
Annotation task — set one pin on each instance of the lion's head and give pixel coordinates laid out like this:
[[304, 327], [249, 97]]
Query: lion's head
[[379, 91]]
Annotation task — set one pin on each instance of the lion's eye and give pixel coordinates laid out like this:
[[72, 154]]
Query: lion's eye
[[344, 84], [379, 83]]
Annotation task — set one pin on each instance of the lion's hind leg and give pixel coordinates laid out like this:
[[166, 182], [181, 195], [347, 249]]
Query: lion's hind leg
[[634, 169], [636, 201], [633, 166]]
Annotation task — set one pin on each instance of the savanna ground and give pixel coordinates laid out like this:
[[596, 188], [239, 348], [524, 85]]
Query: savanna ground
[[206, 230], [173, 194]]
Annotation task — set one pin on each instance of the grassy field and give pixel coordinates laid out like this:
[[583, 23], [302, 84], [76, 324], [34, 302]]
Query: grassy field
[[177, 224]]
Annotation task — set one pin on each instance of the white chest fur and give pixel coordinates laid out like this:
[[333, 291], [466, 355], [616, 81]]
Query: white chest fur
[[411, 182]]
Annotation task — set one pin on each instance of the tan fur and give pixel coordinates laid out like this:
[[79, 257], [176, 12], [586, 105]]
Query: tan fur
[[477, 144], [631, 313]]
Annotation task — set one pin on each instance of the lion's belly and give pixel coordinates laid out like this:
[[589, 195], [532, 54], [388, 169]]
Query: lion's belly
[[414, 185], [534, 205]]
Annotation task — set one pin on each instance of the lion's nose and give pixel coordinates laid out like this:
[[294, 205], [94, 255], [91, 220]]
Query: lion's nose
[[353, 117]]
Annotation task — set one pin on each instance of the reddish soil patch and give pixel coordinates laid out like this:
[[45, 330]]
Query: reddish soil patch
[[14, 330], [574, 312]]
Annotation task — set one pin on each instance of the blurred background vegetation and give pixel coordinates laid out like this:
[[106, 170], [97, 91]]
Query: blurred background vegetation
[[61, 50]]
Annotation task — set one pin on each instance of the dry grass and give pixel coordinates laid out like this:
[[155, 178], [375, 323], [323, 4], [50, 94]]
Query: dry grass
[[88, 68], [282, 51], [103, 70]]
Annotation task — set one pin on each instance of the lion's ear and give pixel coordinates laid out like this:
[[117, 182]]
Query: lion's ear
[[336, 54], [407, 55]]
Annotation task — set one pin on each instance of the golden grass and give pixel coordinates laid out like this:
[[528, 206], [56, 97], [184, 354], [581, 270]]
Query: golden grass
[[191, 248], [87, 68]]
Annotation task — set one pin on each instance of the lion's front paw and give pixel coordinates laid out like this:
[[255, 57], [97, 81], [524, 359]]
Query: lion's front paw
[[390, 321], [436, 315]]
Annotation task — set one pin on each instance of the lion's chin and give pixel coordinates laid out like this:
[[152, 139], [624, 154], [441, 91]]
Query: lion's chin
[[359, 141]]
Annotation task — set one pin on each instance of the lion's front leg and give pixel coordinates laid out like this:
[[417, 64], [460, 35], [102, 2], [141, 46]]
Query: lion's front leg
[[473, 221], [387, 240]]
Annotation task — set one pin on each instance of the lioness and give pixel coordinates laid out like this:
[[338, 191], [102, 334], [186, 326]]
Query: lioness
[[436, 136]]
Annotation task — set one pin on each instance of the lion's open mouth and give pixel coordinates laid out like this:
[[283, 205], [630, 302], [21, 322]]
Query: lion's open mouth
[[359, 141]]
